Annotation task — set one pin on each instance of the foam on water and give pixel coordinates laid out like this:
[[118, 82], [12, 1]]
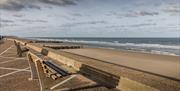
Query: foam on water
[[126, 44]]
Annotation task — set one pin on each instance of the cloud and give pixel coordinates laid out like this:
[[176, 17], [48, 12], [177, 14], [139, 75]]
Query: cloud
[[6, 21], [18, 15], [132, 25], [172, 9], [20, 4], [59, 2], [76, 14], [32, 21], [132, 13], [140, 13], [143, 24], [8, 25], [115, 26], [83, 23], [10, 5]]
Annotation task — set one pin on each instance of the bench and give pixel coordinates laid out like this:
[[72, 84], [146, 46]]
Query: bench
[[20, 50], [53, 70], [41, 66], [50, 69]]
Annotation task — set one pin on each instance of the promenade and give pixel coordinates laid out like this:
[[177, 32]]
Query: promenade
[[14, 71]]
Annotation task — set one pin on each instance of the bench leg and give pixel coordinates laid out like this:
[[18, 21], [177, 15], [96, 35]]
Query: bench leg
[[34, 75], [20, 54], [41, 76]]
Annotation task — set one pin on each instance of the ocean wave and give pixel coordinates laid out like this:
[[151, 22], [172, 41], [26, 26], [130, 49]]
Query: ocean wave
[[150, 45], [116, 43], [164, 53]]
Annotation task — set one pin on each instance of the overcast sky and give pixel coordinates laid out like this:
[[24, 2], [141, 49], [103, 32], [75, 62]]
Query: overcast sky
[[90, 18]]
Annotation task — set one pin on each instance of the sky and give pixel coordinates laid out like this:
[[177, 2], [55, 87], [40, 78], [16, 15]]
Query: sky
[[90, 18]]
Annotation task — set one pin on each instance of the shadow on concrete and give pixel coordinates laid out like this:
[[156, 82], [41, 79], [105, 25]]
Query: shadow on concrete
[[105, 79], [86, 87]]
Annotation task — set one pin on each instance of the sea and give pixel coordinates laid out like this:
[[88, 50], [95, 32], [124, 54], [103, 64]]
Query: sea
[[164, 46]]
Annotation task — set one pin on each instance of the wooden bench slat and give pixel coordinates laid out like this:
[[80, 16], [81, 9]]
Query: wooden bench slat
[[56, 69]]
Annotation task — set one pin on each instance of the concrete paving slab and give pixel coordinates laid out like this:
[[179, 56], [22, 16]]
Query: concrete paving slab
[[5, 71]]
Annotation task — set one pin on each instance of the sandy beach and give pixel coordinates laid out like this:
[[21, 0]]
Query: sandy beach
[[154, 63]]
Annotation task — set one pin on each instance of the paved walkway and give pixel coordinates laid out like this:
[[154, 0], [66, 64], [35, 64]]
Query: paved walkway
[[14, 71]]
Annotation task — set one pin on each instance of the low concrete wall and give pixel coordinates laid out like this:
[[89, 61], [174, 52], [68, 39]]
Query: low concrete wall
[[126, 84]]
